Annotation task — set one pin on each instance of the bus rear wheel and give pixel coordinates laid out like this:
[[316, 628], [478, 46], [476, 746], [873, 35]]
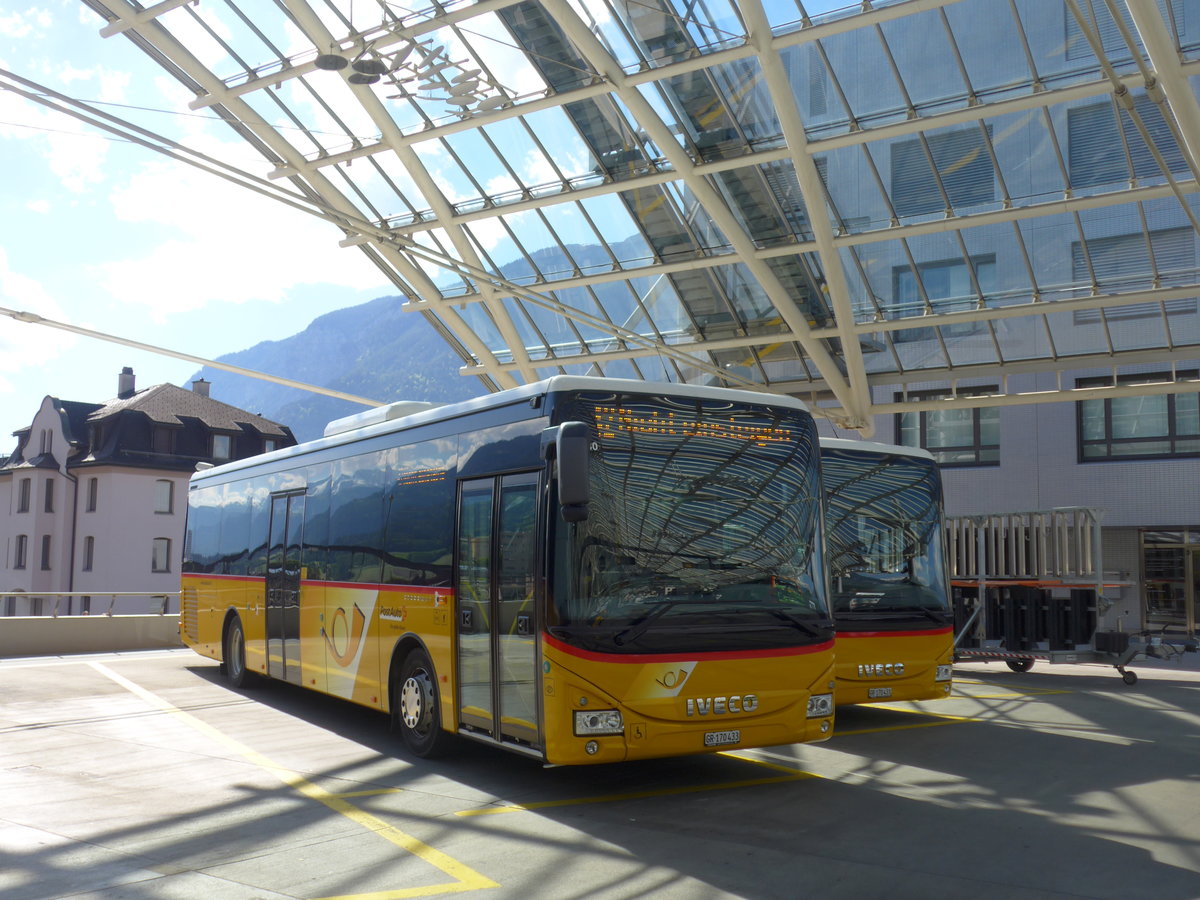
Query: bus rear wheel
[[416, 711], [233, 652]]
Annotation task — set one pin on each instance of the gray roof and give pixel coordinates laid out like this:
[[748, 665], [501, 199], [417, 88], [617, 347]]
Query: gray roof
[[168, 404]]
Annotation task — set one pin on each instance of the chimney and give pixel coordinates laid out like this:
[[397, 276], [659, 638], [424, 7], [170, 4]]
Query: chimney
[[125, 388], [200, 386]]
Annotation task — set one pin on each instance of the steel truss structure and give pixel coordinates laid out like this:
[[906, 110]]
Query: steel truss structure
[[835, 203]]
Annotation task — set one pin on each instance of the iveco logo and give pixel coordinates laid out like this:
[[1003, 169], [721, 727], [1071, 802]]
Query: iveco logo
[[879, 670], [718, 706]]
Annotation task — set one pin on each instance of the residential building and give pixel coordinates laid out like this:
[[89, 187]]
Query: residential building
[[93, 499]]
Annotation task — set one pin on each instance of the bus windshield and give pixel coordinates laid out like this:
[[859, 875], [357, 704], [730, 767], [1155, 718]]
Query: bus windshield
[[883, 515], [702, 533]]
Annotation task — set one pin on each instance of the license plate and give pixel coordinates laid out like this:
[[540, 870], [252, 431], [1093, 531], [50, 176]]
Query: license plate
[[721, 738], [878, 693]]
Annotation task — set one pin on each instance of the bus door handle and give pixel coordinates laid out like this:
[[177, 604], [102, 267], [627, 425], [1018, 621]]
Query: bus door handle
[[523, 624]]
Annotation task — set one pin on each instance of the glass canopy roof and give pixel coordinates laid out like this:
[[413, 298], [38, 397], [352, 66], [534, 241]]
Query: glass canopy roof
[[836, 203]]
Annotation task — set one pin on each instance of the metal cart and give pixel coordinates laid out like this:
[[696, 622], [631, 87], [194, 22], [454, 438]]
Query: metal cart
[[1029, 586]]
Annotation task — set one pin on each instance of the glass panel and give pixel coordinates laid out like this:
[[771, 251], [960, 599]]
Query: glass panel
[[1139, 417], [700, 528], [1091, 415], [516, 618], [963, 165], [924, 55], [883, 517], [877, 99], [474, 606], [1165, 586]]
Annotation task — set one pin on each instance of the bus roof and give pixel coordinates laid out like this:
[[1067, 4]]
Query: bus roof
[[874, 447], [406, 414]]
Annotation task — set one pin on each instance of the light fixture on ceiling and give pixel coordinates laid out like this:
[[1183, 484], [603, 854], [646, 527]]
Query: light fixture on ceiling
[[421, 70]]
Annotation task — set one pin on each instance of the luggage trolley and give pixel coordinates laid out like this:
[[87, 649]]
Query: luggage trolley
[[1029, 586]]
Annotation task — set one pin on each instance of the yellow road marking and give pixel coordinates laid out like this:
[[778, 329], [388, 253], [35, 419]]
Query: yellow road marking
[[467, 879]]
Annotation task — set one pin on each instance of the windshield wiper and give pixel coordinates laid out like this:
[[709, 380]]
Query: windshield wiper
[[938, 615], [638, 626], [820, 628]]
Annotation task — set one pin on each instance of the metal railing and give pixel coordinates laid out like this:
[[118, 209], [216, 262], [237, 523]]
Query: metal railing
[[160, 603]]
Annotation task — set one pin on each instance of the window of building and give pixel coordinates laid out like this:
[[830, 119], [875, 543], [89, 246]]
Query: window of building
[[1171, 579], [222, 446], [964, 168], [45, 553], [93, 493], [1147, 427], [955, 437], [164, 496], [24, 492], [164, 439], [1100, 152], [22, 551], [1129, 261], [269, 444], [89, 553], [1098, 17], [48, 496], [160, 555], [947, 279]]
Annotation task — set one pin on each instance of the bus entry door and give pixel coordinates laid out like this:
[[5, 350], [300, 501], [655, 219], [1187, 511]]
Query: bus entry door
[[497, 608], [283, 587]]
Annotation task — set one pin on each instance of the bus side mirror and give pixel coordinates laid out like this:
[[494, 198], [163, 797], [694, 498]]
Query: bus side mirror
[[571, 448]]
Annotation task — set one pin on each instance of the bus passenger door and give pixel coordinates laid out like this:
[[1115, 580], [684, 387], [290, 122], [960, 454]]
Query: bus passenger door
[[497, 608], [283, 587]]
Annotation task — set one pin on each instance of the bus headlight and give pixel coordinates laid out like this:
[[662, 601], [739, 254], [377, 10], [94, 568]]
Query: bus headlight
[[944, 673], [598, 721], [820, 705]]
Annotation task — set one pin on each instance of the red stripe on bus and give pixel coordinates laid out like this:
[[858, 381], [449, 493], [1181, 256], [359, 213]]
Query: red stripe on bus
[[684, 657], [310, 582]]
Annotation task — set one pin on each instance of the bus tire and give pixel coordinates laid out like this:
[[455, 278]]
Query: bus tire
[[416, 710], [1020, 665], [233, 652]]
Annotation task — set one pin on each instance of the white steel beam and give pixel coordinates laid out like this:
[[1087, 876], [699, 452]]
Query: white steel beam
[[710, 201], [149, 14], [332, 199], [316, 31], [1172, 78], [813, 191]]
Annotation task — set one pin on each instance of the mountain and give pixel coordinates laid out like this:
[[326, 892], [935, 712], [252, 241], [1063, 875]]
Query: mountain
[[379, 352], [374, 350]]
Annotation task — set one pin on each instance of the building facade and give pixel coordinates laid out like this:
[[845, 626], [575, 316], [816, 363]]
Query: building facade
[[1133, 459], [94, 497]]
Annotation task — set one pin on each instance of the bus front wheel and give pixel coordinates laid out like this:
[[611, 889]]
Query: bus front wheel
[[234, 655], [416, 707]]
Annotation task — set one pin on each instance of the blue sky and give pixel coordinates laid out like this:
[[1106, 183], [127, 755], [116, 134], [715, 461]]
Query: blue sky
[[114, 237]]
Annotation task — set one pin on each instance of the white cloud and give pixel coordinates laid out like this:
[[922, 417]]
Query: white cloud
[[220, 244], [24, 345], [38, 206], [73, 152], [24, 25]]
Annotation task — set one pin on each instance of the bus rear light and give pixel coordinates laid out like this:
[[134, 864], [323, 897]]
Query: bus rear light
[[598, 721], [820, 705], [944, 673]]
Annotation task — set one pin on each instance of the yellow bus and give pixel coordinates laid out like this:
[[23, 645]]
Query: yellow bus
[[581, 570], [890, 581]]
